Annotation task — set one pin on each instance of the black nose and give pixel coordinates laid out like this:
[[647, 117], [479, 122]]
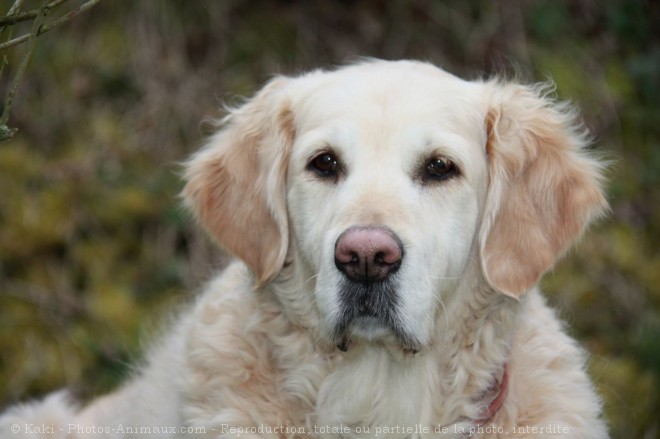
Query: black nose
[[368, 254]]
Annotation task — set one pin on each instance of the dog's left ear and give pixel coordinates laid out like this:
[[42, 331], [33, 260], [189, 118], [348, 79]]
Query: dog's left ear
[[237, 184], [544, 188]]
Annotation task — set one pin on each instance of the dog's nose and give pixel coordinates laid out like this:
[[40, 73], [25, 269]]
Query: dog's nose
[[368, 254]]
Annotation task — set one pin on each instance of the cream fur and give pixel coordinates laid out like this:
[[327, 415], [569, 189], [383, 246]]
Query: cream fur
[[257, 350]]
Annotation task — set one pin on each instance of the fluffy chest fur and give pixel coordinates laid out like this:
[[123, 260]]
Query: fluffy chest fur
[[268, 361]]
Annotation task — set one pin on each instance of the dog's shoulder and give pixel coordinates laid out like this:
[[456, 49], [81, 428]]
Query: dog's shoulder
[[545, 360]]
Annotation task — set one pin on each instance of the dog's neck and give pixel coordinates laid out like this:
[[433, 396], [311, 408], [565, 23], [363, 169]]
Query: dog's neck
[[473, 345], [457, 377]]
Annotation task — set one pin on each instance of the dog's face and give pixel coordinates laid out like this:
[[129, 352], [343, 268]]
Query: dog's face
[[384, 183]]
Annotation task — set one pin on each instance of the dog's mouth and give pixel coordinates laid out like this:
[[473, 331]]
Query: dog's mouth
[[370, 312]]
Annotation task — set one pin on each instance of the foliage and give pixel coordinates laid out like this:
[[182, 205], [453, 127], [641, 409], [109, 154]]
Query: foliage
[[94, 250]]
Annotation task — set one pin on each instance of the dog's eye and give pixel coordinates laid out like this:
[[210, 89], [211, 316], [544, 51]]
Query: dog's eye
[[439, 168], [325, 165]]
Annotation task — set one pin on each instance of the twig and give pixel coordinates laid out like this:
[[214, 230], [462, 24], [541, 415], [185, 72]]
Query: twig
[[5, 131], [12, 10], [50, 26], [12, 17], [37, 29], [17, 4]]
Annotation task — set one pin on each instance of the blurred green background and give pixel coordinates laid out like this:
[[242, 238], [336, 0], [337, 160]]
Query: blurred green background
[[95, 250]]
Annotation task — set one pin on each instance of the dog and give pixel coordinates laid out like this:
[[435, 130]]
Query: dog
[[389, 223]]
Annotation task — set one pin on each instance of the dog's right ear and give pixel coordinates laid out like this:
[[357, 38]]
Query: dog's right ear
[[236, 184]]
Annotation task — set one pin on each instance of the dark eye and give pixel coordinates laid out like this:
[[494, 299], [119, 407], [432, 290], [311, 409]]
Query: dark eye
[[325, 165], [438, 169]]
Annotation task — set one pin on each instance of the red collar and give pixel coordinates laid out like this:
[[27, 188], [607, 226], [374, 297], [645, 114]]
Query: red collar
[[502, 388]]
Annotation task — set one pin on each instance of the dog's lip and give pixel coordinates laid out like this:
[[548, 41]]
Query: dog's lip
[[363, 326], [373, 330], [367, 321]]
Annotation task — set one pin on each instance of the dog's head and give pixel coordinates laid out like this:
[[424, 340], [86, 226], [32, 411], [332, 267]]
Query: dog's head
[[384, 183]]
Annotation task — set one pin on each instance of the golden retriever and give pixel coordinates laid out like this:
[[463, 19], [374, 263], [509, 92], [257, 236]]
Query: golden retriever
[[389, 223]]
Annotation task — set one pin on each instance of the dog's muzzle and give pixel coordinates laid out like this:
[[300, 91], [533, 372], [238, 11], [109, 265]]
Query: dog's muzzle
[[369, 258]]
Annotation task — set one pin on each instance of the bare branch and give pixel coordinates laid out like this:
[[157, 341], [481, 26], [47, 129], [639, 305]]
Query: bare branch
[[5, 131], [12, 17], [50, 26], [12, 10]]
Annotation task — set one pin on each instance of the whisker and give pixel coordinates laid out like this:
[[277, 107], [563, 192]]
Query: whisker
[[314, 297], [301, 289], [444, 309], [316, 275], [447, 277]]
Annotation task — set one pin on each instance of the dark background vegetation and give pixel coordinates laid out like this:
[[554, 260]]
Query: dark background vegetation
[[95, 250]]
